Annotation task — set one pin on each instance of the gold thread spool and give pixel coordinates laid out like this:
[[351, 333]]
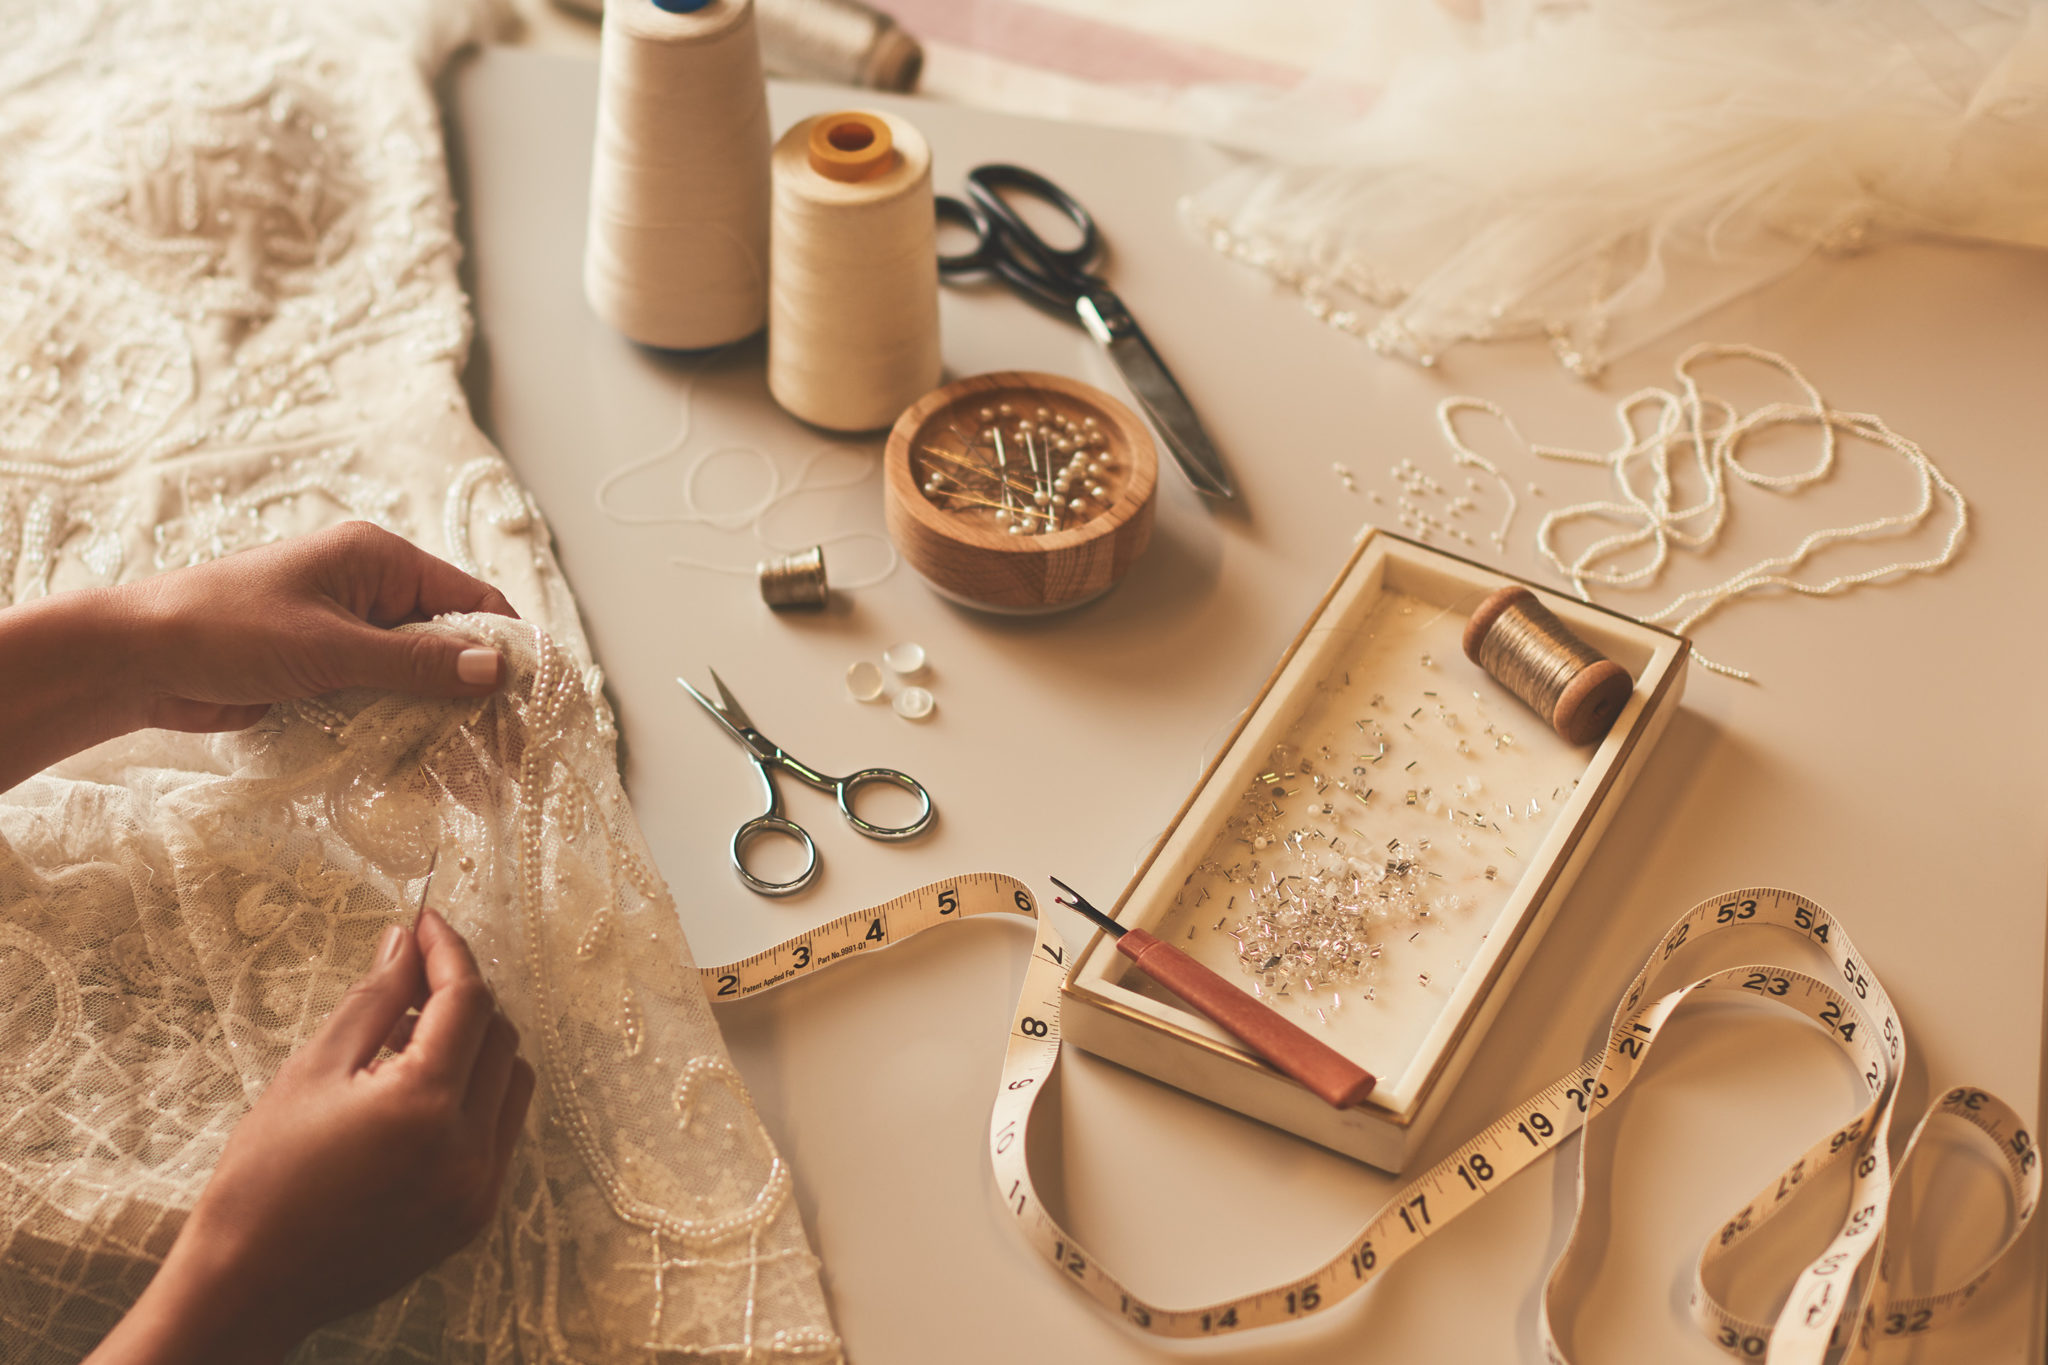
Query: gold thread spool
[[1523, 646], [794, 582]]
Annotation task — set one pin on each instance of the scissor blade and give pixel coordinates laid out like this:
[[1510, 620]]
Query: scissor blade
[[717, 712], [1110, 323], [729, 704]]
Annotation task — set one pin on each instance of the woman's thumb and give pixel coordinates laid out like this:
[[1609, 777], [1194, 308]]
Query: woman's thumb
[[420, 663]]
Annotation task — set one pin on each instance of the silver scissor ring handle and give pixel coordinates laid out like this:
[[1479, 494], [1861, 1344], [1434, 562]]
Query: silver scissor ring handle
[[773, 824], [850, 784]]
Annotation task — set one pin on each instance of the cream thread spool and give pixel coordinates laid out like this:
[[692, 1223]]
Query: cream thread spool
[[1523, 646], [677, 252], [853, 299]]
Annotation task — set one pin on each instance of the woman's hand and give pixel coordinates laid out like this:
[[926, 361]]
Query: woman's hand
[[351, 1176], [222, 641], [211, 647]]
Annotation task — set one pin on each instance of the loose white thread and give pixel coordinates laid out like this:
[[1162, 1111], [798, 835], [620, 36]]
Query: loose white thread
[[678, 244], [752, 517], [1712, 430], [1462, 454]]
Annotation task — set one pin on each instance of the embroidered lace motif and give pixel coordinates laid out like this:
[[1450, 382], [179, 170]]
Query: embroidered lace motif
[[164, 946], [229, 314]]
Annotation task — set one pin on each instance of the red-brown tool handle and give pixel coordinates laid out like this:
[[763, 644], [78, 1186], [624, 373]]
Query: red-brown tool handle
[[1335, 1078]]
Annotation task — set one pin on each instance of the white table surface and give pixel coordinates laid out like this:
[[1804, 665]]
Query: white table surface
[[1890, 764]]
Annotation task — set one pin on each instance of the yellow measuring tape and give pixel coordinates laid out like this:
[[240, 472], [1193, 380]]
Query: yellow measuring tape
[[1839, 1304]]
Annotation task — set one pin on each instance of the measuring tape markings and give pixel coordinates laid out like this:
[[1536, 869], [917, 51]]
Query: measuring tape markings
[[1845, 1284]]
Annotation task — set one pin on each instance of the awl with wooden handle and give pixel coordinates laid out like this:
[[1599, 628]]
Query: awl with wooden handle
[[1329, 1074]]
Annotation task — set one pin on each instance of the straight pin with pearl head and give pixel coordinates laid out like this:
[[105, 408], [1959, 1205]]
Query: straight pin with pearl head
[[1041, 477], [977, 467], [970, 500], [1003, 468]]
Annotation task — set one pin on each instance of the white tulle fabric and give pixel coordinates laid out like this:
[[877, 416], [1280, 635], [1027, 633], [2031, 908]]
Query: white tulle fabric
[[229, 313], [1598, 172]]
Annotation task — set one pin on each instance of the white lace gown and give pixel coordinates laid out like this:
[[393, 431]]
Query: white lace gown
[[229, 314]]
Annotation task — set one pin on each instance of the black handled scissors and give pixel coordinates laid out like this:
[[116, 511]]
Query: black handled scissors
[[1060, 280], [768, 754]]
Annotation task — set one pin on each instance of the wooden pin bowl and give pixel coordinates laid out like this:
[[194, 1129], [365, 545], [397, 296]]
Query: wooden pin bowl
[[974, 562]]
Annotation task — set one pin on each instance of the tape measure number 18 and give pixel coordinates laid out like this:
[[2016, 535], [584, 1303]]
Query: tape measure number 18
[[1839, 1305]]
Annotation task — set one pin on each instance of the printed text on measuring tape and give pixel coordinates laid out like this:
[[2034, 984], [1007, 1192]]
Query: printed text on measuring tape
[[1840, 1303]]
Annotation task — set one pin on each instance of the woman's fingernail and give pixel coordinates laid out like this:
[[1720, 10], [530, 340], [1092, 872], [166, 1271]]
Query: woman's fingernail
[[388, 949], [477, 666]]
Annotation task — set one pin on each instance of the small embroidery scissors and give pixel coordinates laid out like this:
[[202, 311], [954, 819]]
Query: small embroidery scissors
[[768, 754], [1058, 279]]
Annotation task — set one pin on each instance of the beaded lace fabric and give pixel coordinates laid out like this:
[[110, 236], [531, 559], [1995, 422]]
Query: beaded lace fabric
[[229, 314]]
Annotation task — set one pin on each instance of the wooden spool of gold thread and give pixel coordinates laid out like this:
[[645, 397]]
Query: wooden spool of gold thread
[[961, 540], [1523, 646]]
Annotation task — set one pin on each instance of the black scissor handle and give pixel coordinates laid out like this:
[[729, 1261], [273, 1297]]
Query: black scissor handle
[[970, 216], [1007, 246], [985, 185]]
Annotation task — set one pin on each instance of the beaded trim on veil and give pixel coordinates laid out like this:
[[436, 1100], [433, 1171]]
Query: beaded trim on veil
[[228, 314], [1596, 173]]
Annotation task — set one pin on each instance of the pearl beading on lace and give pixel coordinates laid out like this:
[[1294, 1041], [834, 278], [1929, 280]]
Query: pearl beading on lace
[[516, 515], [217, 523], [229, 312], [22, 1063]]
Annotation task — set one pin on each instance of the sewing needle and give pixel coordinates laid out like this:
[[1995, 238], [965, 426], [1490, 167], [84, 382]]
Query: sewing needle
[[425, 886]]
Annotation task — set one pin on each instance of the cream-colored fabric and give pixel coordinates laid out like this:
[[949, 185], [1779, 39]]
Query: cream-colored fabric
[[166, 943], [228, 314], [1599, 172]]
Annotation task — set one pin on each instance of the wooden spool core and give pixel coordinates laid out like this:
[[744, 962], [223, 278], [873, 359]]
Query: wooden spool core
[[1590, 701], [851, 147], [962, 552]]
